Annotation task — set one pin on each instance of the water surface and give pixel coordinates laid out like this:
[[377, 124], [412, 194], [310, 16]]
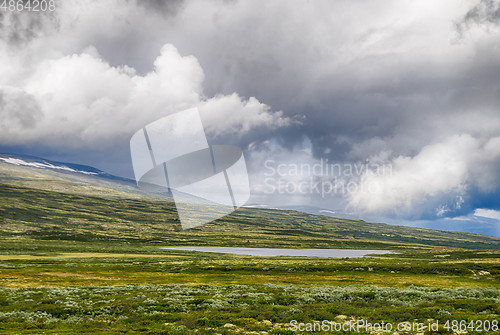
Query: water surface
[[270, 252]]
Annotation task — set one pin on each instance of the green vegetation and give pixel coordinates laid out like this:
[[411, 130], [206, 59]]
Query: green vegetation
[[49, 215], [97, 264], [87, 263], [229, 309], [180, 292]]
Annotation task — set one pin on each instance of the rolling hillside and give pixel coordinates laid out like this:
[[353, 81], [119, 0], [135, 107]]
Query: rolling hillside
[[46, 204]]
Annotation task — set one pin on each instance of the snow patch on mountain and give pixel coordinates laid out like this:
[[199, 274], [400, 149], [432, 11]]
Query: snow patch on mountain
[[43, 165]]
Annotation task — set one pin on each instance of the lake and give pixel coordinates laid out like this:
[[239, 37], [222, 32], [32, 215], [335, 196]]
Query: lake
[[271, 252]]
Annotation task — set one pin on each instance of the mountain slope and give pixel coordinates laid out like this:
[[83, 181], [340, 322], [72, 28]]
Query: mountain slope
[[56, 204], [42, 163], [467, 224], [48, 215], [39, 173]]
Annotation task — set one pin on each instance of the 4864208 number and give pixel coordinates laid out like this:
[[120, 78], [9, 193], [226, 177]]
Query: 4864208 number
[[28, 5], [474, 325]]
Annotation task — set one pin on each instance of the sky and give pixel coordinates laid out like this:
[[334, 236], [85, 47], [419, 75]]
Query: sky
[[385, 109]]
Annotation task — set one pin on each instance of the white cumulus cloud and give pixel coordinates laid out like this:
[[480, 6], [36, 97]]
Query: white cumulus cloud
[[80, 100], [437, 177]]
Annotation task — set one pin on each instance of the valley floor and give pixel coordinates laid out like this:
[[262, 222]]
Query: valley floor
[[111, 290]]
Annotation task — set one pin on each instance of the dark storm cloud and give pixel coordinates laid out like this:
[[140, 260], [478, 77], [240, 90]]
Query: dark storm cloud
[[387, 94], [19, 111], [486, 11], [283, 68], [19, 28], [165, 7]]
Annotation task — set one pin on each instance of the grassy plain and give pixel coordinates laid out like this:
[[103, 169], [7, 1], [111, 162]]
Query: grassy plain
[[79, 263]]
